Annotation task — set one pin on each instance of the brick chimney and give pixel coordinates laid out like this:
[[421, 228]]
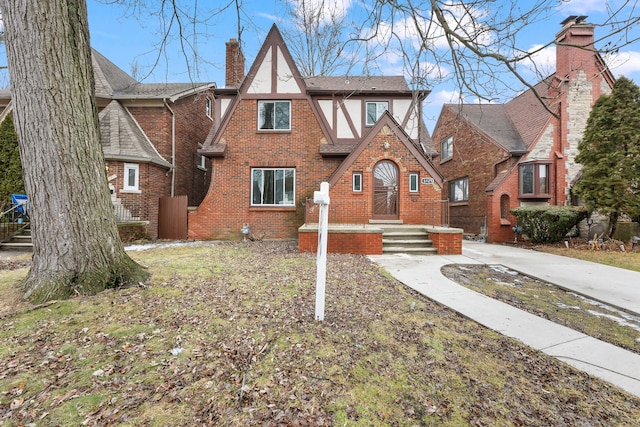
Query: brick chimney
[[582, 77], [234, 68], [570, 58]]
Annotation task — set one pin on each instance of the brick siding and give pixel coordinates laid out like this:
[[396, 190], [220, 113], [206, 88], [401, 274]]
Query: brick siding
[[343, 243]]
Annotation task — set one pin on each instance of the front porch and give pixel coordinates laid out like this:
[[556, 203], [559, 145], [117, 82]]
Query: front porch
[[378, 237]]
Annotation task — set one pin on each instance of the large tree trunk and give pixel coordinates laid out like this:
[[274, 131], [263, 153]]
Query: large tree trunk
[[77, 249]]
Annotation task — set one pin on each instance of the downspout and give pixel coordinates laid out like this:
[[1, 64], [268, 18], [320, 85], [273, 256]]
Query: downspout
[[173, 147]]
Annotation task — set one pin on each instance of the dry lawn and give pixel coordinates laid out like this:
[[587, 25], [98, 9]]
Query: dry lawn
[[224, 335]]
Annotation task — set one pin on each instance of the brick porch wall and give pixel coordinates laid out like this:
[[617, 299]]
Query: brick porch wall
[[343, 243]]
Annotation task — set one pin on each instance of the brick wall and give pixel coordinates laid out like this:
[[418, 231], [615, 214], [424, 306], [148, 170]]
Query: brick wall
[[153, 183], [448, 242], [227, 205], [499, 229], [343, 243], [414, 208], [475, 157], [191, 128]]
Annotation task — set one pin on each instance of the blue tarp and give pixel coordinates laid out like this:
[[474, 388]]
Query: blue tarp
[[20, 200]]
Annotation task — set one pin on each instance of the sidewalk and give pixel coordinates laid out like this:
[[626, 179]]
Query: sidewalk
[[608, 284]]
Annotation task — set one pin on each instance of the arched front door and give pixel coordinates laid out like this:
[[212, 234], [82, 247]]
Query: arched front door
[[385, 190]]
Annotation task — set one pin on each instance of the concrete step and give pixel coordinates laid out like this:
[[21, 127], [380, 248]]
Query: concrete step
[[16, 246], [407, 242], [409, 250]]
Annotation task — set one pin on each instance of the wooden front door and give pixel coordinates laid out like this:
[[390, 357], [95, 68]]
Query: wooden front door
[[385, 190]]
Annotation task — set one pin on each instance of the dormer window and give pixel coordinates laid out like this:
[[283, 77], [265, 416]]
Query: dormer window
[[274, 115], [375, 110]]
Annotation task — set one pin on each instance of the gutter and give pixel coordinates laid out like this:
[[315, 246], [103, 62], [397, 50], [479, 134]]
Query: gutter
[[173, 147]]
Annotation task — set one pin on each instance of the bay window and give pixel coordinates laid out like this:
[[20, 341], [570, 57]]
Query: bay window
[[534, 179]]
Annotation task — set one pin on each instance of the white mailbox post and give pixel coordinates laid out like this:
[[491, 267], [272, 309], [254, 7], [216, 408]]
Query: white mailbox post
[[321, 198]]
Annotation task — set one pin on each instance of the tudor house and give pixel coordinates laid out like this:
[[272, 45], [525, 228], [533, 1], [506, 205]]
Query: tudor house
[[500, 156], [278, 135], [150, 135]]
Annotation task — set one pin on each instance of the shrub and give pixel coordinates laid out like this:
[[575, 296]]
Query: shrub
[[548, 224]]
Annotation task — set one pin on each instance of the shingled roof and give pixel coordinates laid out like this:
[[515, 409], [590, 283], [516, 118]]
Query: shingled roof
[[393, 84], [122, 139], [112, 82], [528, 114], [494, 121]]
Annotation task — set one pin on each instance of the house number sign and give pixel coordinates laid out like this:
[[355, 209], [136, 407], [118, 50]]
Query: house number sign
[[427, 180]]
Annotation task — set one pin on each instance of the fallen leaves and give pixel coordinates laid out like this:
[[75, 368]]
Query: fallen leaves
[[225, 335]]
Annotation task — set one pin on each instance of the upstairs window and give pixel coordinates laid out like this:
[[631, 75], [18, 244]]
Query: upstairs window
[[202, 162], [274, 115], [375, 110], [459, 190], [446, 149], [208, 108], [534, 180], [273, 187]]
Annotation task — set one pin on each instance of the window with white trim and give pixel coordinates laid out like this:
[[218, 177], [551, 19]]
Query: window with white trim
[[208, 107], [446, 149], [357, 182], [459, 190], [273, 186], [131, 177], [202, 162], [274, 115], [414, 182], [375, 110]]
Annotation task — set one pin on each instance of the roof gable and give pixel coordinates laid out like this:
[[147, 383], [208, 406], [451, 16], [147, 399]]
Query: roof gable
[[386, 120], [109, 78], [273, 71], [493, 121], [112, 82], [123, 139]]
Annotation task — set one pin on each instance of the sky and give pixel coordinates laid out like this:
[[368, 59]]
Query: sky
[[129, 38]]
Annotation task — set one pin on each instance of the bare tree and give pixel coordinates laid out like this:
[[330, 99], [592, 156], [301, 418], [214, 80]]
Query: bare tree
[[318, 37], [476, 43], [77, 248]]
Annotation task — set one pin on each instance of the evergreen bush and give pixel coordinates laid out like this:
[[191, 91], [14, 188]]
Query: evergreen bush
[[548, 224]]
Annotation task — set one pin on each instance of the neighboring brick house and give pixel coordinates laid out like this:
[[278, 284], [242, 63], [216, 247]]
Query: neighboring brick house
[[150, 135], [500, 156], [278, 135]]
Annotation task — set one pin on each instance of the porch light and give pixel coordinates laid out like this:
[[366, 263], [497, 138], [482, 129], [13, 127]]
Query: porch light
[[386, 145]]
